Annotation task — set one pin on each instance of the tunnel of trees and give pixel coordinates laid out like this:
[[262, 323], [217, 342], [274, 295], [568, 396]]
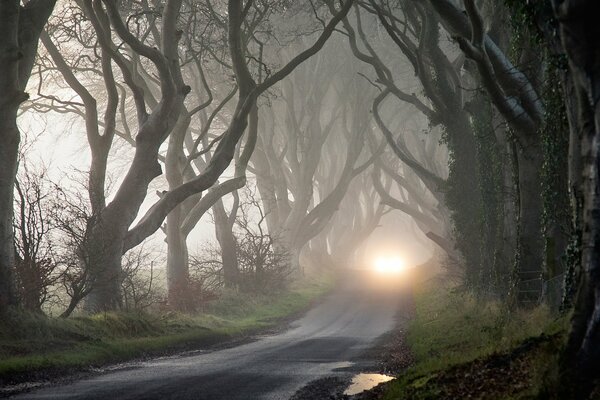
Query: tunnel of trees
[[293, 129]]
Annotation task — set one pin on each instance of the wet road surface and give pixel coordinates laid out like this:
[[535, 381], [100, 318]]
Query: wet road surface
[[328, 340]]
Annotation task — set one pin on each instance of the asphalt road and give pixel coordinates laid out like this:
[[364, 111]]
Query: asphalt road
[[330, 339]]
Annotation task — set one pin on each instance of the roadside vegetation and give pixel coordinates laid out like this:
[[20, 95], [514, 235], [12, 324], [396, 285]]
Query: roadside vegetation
[[33, 345], [464, 347], [290, 132]]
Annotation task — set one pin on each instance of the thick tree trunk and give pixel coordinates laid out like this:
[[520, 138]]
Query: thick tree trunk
[[294, 261], [20, 29], [11, 98], [9, 148], [228, 244], [580, 32], [530, 244], [177, 252], [573, 262], [177, 262], [102, 256], [265, 178], [464, 196], [506, 243], [104, 246]]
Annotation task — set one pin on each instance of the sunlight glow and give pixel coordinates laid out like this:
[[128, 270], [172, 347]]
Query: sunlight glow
[[389, 265]]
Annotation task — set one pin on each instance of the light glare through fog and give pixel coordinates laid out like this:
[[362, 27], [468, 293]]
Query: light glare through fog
[[389, 265]]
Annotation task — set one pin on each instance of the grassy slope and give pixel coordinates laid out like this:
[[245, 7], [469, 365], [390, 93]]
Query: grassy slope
[[31, 344], [465, 350]]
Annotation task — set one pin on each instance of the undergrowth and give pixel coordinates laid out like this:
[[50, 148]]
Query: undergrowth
[[31, 344], [467, 348]]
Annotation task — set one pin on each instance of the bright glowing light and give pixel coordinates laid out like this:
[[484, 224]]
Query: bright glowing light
[[389, 265]]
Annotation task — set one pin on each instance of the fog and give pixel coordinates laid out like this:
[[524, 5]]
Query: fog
[[337, 194], [323, 102]]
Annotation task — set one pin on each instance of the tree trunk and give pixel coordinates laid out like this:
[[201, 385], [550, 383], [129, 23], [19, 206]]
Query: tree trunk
[[464, 195], [294, 260], [177, 252], [266, 188], [9, 144], [228, 245], [102, 256], [580, 31], [319, 255], [530, 244], [506, 246], [105, 243], [9, 148], [177, 263], [573, 262], [20, 29]]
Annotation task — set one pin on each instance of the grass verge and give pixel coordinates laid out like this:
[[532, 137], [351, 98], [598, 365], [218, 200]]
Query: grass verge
[[34, 346], [465, 349]]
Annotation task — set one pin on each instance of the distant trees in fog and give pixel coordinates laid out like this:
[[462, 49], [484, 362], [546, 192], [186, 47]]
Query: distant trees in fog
[[476, 120]]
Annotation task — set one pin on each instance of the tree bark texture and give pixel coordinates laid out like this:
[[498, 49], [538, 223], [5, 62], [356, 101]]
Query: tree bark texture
[[20, 28], [580, 33]]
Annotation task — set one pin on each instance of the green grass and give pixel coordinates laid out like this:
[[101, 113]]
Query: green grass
[[451, 328], [32, 343]]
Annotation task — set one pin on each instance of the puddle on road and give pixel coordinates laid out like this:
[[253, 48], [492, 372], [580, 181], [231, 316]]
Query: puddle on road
[[362, 382]]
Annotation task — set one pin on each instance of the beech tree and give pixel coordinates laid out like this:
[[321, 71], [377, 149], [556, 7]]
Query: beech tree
[[494, 136], [304, 141], [579, 33], [81, 69], [20, 28], [358, 216], [111, 232], [482, 128], [417, 38], [518, 101]]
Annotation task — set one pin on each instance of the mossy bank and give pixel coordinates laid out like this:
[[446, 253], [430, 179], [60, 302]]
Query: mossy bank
[[465, 347], [34, 347]]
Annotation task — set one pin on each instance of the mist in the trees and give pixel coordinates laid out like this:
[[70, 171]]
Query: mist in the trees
[[178, 173]]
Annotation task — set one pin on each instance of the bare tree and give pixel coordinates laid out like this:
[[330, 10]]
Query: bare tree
[[111, 229], [71, 215], [263, 267], [37, 270], [139, 283], [301, 141]]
